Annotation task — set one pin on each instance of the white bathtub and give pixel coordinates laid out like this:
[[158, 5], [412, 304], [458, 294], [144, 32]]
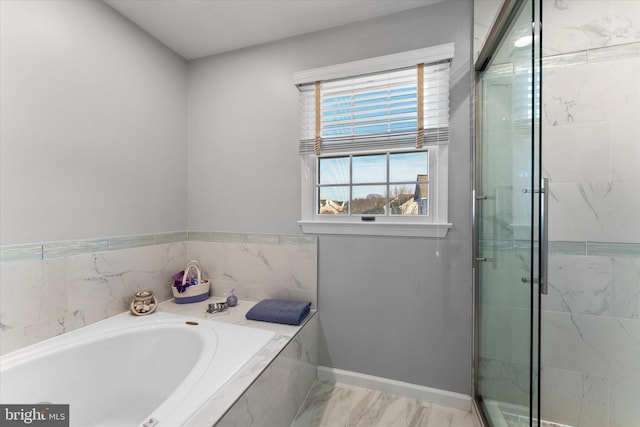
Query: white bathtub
[[154, 370]]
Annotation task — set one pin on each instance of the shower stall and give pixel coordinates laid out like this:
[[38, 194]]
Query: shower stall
[[557, 214]]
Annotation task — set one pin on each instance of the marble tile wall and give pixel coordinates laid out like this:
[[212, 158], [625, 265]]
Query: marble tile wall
[[258, 266], [484, 15], [292, 373], [591, 152], [591, 341], [53, 288], [575, 25]]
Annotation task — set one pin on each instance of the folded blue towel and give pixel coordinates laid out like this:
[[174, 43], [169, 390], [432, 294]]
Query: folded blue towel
[[278, 311]]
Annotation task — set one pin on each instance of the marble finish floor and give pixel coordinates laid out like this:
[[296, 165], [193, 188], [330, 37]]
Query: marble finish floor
[[512, 420], [339, 405]]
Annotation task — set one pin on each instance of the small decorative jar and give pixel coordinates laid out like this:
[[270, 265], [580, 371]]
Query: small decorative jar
[[143, 303]]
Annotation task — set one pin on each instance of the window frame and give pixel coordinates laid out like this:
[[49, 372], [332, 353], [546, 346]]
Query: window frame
[[351, 183], [435, 224]]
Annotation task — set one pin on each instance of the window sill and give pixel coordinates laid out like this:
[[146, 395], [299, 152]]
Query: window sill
[[375, 229]]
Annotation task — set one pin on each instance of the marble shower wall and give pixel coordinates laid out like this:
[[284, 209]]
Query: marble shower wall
[[53, 288], [484, 15], [591, 153]]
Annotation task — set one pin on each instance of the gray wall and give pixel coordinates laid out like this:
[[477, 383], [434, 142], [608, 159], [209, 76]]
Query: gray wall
[[93, 136], [387, 306]]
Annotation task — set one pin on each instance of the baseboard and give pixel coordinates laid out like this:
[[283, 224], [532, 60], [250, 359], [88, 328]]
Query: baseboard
[[413, 391]]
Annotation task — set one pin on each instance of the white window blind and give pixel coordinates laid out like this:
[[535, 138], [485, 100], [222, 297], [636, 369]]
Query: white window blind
[[376, 111]]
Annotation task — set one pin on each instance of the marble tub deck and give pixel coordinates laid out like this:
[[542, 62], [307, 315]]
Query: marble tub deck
[[340, 405], [223, 399]]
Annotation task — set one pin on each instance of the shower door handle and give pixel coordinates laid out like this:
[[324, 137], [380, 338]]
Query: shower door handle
[[544, 236]]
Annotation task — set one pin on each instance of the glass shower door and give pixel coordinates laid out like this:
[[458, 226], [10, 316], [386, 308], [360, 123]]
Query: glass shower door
[[507, 250]]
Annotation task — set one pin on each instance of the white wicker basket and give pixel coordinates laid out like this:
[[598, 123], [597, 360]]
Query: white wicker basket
[[193, 293]]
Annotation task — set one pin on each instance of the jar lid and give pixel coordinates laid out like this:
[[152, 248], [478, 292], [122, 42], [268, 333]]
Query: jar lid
[[144, 294]]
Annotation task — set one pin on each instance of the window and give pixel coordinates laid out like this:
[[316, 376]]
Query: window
[[374, 145], [385, 184]]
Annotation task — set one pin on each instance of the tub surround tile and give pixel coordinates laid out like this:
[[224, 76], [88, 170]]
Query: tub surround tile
[[204, 236], [283, 270], [127, 242], [33, 307], [79, 283], [21, 286], [67, 249], [298, 240], [20, 337], [56, 290], [39, 251], [173, 237], [21, 253], [292, 373], [227, 397], [102, 284], [12, 339], [288, 363], [62, 293], [48, 328], [96, 287], [265, 239], [257, 238]]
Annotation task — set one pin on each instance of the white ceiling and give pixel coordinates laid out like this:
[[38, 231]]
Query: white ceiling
[[197, 28]]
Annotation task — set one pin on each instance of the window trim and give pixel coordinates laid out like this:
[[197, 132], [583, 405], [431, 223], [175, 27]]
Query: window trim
[[376, 65], [378, 228], [436, 224]]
